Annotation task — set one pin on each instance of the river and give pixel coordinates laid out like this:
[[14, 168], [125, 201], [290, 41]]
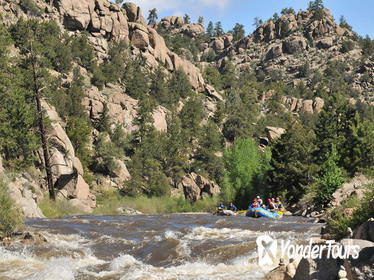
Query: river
[[147, 247]]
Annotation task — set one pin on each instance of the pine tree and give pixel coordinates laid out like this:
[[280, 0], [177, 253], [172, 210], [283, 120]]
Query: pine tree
[[158, 88], [200, 20], [152, 17], [186, 19], [210, 29], [238, 32], [218, 30], [292, 166]]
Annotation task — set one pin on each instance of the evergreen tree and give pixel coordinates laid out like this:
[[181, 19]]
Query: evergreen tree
[[179, 86], [103, 125], [200, 20], [152, 17], [187, 19], [287, 11], [191, 116], [136, 79], [292, 163], [158, 88], [218, 30], [238, 32], [210, 29], [257, 22], [316, 6], [206, 161], [275, 17]]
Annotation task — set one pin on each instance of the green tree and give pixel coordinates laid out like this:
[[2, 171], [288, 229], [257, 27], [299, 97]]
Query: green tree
[[152, 17], [275, 17], [136, 79], [191, 116], [178, 87], [10, 217], [104, 123], [257, 22], [158, 88], [344, 24], [206, 161], [329, 179], [218, 30], [245, 167], [287, 11], [187, 19], [210, 29], [317, 7], [292, 166], [238, 32], [200, 20]]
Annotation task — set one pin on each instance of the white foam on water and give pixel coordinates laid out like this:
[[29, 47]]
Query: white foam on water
[[55, 268], [204, 233], [240, 269]]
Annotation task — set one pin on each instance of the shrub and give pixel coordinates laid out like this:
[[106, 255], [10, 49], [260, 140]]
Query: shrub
[[10, 217], [29, 6], [347, 46]]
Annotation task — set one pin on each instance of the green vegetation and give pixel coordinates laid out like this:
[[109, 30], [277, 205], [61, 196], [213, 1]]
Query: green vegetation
[[339, 221], [245, 172], [57, 209], [109, 202], [10, 217]]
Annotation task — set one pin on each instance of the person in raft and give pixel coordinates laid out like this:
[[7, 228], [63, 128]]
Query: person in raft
[[260, 201], [232, 207], [279, 204], [271, 205], [254, 204]]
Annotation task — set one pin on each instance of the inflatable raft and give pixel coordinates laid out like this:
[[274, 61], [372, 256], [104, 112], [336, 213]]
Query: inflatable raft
[[261, 212]]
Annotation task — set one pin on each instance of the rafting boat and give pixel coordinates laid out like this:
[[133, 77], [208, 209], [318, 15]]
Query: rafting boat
[[261, 212]]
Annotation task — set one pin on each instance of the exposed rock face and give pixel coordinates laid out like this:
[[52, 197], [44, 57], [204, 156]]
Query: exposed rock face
[[193, 29], [96, 16], [321, 269], [355, 187], [66, 168], [134, 13], [172, 21], [365, 231], [159, 119], [195, 186], [273, 133], [25, 195], [325, 43], [294, 45], [303, 105], [274, 51]]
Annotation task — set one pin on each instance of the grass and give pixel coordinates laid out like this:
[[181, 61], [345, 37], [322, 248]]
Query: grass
[[109, 202], [10, 216], [57, 209], [338, 222]]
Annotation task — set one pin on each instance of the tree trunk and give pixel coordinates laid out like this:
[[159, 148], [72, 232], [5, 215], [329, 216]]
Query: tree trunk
[[42, 130]]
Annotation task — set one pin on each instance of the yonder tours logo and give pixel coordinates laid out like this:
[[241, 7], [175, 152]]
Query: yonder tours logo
[[271, 250]]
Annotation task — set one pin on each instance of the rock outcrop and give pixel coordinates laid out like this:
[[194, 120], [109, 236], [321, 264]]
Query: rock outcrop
[[297, 105], [273, 133], [195, 186]]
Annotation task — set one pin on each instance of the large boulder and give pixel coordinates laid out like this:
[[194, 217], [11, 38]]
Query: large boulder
[[193, 29], [172, 21], [23, 193], [191, 190], [273, 133], [159, 119], [195, 186], [76, 14], [134, 13], [274, 51], [294, 45], [365, 231], [325, 43]]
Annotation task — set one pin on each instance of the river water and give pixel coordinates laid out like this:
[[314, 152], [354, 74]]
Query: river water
[[147, 247]]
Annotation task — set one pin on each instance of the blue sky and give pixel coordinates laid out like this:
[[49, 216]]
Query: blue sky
[[358, 13]]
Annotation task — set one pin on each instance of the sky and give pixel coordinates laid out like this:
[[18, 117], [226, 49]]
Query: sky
[[359, 14]]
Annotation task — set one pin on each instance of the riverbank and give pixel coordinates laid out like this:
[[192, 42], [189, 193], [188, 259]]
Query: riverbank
[[112, 203]]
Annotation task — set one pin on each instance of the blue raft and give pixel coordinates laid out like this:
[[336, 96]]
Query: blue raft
[[261, 212]]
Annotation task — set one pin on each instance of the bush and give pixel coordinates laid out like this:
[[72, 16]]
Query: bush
[[338, 222], [29, 6], [109, 202], [347, 46], [10, 217], [57, 209]]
